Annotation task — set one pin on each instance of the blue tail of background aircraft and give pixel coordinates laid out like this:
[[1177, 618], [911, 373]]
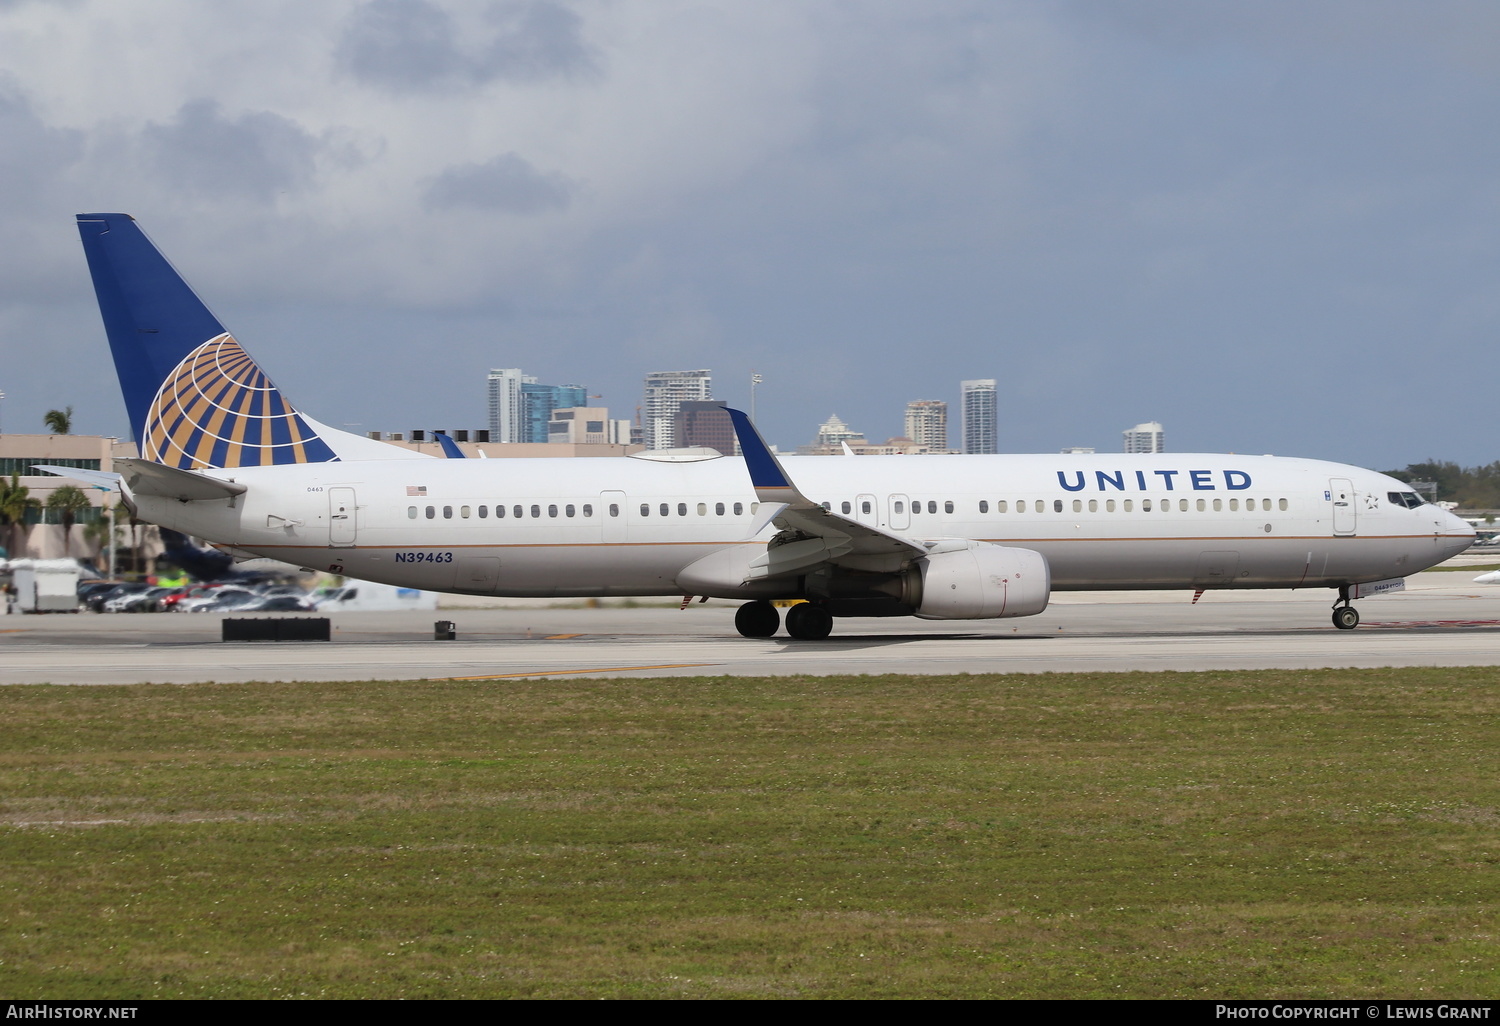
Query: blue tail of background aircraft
[[195, 398]]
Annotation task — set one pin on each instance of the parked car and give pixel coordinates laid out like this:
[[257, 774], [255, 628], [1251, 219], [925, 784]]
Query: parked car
[[148, 601]]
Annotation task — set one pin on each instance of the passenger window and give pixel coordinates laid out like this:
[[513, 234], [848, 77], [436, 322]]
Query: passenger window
[[1000, 506], [1077, 505], [1202, 505], [464, 512], [666, 510], [1093, 505], [1182, 504], [1218, 505], [682, 509], [552, 511], [703, 509], [1145, 505], [846, 507], [718, 509], [1281, 503], [931, 506], [754, 507], [739, 509], [899, 508], [645, 510], [536, 512], [916, 507], [864, 506], [447, 512], [518, 511], [1057, 505], [1109, 505], [948, 506], [499, 512], [984, 506], [588, 509], [431, 512], [614, 509], [484, 512], [411, 512], [1234, 505], [570, 509]]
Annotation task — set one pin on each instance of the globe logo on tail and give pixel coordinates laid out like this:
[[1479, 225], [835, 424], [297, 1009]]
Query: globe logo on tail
[[218, 409]]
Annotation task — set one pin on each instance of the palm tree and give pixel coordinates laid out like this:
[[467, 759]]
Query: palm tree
[[59, 422], [15, 500], [67, 501]]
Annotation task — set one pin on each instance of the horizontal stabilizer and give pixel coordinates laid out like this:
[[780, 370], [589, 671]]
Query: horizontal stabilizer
[[144, 477], [94, 478]]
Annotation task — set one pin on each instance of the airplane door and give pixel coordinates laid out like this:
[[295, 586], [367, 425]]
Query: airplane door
[[612, 517], [1341, 495], [343, 517], [867, 510], [899, 512]]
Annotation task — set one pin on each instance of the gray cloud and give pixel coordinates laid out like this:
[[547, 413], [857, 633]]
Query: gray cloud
[[34, 153], [508, 183], [205, 153], [404, 45]]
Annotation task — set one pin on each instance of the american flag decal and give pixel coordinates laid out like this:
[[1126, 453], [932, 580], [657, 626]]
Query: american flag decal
[[416, 489]]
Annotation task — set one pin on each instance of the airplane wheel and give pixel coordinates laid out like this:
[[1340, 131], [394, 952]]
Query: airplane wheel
[[807, 622], [1346, 618], [757, 620]]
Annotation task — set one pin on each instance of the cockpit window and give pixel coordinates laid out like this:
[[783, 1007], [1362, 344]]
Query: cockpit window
[[1411, 500]]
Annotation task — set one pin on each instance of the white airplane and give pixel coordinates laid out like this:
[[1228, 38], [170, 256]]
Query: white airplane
[[225, 457]]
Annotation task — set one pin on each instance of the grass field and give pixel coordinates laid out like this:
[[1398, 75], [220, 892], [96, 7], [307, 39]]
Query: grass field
[[1329, 833]]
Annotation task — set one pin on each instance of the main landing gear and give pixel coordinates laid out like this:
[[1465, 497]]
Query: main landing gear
[[1345, 616], [804, 621]]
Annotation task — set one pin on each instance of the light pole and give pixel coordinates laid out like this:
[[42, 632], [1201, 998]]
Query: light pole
[[2, 404], [755, 379], [109, 508]]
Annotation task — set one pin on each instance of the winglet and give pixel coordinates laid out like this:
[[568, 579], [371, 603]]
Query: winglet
[[766, 474], [450, 447]]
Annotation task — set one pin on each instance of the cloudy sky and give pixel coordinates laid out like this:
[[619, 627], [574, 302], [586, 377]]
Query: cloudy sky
[[1274, 227]]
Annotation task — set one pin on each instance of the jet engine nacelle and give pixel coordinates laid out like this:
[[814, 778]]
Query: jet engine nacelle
[[982, 582]]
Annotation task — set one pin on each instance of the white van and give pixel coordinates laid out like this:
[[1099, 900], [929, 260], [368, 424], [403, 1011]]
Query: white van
[[364, 596]]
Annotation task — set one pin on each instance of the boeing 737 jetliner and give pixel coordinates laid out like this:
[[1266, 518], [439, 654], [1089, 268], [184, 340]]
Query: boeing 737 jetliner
[[225, 457]]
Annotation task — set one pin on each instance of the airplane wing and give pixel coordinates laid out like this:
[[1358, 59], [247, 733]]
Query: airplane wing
[[810, 534]]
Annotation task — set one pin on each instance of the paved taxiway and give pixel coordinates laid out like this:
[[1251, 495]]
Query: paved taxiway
[[1441, 620]]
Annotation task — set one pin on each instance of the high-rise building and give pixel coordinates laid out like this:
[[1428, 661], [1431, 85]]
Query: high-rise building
[[538, 402], [980, 411], [506, 419], [705, 425], [1146, 438], [587, 425], [666, 391], [927, 423]]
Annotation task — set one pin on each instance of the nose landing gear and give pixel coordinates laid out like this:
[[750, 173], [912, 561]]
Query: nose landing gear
[[1345, 616]]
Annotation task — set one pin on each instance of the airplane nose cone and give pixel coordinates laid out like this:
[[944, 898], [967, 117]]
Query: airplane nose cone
[[1457, 534]]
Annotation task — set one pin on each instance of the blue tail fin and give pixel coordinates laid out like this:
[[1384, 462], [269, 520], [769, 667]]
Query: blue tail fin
[[195, 398]]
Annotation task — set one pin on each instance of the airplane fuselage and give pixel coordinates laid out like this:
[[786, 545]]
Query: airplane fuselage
[[623, 526]]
